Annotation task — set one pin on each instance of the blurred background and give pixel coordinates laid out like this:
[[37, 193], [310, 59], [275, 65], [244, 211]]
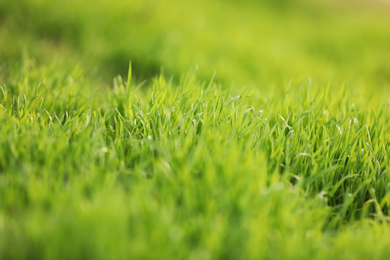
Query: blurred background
[[258, 44]]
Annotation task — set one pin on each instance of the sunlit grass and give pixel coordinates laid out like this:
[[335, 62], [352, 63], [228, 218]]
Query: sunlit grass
[[187, 168], [276, 165]]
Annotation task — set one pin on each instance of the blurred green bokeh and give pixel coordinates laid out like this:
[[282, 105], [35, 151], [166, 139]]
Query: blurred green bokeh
[[254, 43]]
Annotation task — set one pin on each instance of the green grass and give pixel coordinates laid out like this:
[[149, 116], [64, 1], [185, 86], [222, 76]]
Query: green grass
[[191, 166]]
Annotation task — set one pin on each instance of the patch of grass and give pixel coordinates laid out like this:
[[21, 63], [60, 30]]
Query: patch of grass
[[188, 169], [193, 166]]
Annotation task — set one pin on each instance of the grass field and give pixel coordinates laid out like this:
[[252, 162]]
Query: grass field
[[239, 130]]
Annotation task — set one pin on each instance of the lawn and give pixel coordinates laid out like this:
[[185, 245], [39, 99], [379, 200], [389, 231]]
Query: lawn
[[194, 129]]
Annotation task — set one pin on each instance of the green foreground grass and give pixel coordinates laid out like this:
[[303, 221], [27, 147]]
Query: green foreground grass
[[192, 167]]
